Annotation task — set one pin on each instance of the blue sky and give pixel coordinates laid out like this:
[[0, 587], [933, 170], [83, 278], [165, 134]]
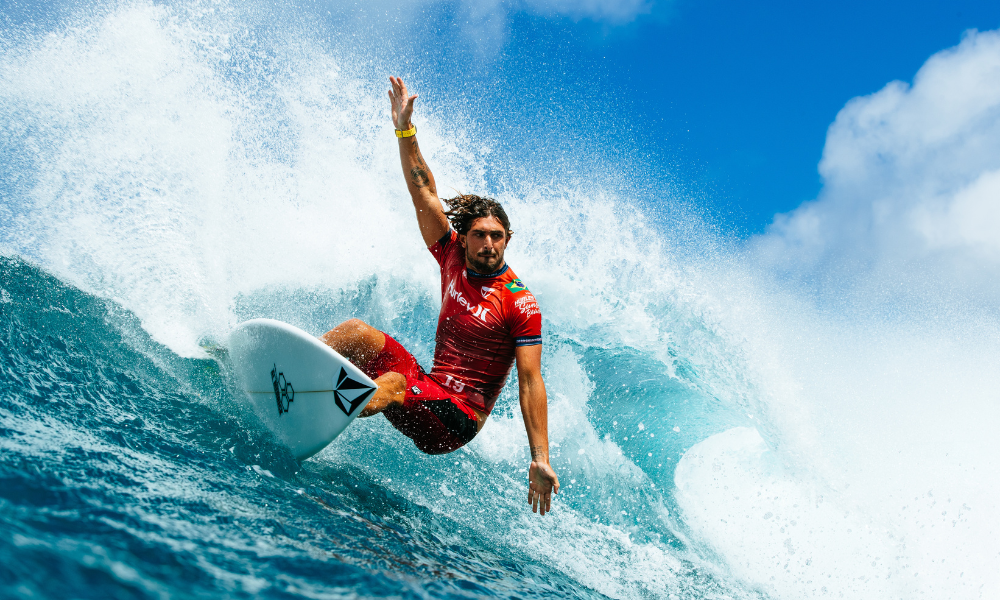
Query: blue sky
[[729, 102], [738, 96]]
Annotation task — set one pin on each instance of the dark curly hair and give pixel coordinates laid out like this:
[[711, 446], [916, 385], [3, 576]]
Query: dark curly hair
[[466, 208]]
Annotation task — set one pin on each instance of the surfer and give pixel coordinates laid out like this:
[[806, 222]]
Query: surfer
[[489, 321]]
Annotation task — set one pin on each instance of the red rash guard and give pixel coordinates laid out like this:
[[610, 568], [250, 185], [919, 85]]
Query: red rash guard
[[483, 318]]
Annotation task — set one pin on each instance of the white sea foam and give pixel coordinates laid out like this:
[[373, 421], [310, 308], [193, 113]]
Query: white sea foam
[[872, 337], [166, 182]]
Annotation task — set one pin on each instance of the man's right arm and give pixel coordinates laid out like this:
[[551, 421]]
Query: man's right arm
[[419, 179]]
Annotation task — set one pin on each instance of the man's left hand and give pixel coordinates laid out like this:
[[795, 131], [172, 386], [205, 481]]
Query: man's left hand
[[542, 483]]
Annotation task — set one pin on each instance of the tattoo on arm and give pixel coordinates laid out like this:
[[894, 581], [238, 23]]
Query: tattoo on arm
[[537, 452], [419, 175]]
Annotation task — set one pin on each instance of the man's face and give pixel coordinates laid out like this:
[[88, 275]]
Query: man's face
[[484, 245]]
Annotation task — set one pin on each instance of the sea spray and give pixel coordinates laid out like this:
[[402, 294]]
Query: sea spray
[[169, 181]]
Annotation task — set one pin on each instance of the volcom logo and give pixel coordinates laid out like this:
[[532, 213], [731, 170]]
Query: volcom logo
[[486, 290], [416, 391], [350, 394], [284, 393]]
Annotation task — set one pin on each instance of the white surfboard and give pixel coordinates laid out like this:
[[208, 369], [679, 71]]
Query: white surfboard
[[302, 390]]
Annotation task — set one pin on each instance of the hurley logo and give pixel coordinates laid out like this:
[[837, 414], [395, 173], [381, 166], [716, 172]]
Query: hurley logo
[[478, 311]]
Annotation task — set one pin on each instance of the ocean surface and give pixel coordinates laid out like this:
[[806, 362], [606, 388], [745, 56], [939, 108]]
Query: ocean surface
[[168, 170]]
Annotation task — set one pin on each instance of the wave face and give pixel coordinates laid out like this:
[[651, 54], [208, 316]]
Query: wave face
[[170, 170]]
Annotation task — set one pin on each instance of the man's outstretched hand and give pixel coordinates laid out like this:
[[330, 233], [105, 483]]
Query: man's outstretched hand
[[542, 483], [402, 104]]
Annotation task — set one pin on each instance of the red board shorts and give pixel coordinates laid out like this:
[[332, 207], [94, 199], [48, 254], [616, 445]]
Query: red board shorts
[[437, 422]]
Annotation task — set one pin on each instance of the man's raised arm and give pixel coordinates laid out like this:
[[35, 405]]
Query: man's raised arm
[[419, 179]]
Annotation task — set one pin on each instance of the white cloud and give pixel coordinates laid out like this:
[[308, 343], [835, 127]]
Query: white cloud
[[911, 195]]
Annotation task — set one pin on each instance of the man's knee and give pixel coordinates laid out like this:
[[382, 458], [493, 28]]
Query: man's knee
[[372, 337], [358, 341], [355, 326], [350, 330]]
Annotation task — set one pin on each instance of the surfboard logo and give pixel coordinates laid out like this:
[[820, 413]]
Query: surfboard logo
[[350, 394], [284, 393]]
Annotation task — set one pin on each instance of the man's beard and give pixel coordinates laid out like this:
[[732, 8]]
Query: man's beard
[[484, 265]]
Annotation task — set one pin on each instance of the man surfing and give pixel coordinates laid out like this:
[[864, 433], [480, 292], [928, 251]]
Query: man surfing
[[488, 322]]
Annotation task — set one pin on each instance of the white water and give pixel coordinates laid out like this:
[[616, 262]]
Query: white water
[[181, 161]]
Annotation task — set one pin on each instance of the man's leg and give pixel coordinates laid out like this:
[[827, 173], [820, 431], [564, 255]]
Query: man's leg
[[356, 341], [360, 343]]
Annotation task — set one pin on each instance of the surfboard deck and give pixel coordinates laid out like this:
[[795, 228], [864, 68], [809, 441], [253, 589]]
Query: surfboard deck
[[301, 389]]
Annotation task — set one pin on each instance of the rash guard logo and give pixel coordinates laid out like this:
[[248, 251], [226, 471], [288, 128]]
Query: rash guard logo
[[527, 305], [516, 287], [478, 310]]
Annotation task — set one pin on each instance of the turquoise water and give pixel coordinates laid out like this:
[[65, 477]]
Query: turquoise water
[[170, 170], [127, 472]]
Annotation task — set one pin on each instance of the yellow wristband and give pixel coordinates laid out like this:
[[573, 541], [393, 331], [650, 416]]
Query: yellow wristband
[[412, 131]]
